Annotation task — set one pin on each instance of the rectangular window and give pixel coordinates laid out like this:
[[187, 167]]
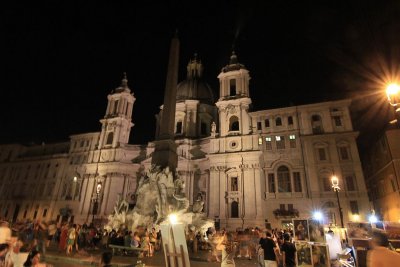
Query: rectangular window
[[290, 207], [271, 183], [259, 125], [354, 207], [292, 141], [344, 153], [338, 120], [282, 206], [268, 143], [290, 120], [326, 183], [280, 142], [350, 183], [297, 181], [266, 123], [44, 213], [232, 87], [260, 140], [321, 154]]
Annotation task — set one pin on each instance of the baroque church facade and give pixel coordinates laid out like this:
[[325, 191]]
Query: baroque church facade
[[251, 168]]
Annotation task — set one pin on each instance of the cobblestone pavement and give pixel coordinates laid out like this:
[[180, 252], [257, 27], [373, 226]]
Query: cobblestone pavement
[[92, 259]]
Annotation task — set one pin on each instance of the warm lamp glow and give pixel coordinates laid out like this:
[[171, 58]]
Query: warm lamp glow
[[173, 218], [392, 89], [75, 178], [372, 218], [393, 94], [356, 217], [335, 181]]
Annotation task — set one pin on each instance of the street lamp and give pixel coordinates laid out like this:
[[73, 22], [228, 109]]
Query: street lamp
[[336, 188], [96, 201], [393, 95]]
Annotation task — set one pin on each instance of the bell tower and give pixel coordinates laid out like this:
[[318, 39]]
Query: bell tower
[[234, 99], [117, 123]]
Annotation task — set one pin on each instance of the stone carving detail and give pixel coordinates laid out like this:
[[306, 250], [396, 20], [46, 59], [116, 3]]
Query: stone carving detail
[[159, 194]]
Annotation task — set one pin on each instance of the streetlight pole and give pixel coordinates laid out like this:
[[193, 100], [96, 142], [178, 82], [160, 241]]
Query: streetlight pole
[[96, 201], [336, 188]]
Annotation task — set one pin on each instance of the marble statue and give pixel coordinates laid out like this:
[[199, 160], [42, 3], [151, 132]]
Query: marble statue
[[158, 194]]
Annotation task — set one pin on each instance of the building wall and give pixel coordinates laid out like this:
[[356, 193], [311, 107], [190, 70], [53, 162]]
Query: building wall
[[382, 171]]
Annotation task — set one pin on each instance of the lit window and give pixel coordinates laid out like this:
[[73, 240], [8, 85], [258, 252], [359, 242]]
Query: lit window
[[260, 140], [280, 142], [292, 141], [268, 143]]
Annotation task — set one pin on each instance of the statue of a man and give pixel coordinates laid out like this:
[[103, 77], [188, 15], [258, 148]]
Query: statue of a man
[[198, 205], [213, 129]]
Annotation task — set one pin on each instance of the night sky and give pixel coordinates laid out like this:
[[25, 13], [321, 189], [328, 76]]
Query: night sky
[[59, 61]]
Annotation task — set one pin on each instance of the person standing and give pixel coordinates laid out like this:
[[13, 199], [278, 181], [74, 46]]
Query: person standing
[[288, 250], [71, 239], [270, 250], [380, 255]]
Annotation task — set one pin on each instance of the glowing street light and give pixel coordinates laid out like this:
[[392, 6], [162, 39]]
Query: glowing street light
[[393, 95], [75, 179], [318, 216], [372, 218]]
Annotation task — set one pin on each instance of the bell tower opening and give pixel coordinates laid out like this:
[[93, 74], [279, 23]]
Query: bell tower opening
[[232, 87], [233, 123]]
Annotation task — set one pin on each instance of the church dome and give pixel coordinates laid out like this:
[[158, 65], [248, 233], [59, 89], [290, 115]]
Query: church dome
[[194, 88]]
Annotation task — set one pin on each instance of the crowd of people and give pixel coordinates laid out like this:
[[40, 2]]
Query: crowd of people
[[25, 244]]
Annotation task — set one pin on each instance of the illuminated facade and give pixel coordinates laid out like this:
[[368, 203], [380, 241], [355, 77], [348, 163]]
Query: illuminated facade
[[382, 174], [250, 168]]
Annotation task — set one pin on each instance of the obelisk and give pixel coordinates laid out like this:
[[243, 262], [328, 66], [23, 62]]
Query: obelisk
[[165, 148]]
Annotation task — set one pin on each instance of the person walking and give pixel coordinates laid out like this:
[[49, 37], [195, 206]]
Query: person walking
[[228, 251], [288, 251], [380, 255], [270, 250]]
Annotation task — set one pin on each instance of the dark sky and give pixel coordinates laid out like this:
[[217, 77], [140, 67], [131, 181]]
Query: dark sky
[[60, 60]]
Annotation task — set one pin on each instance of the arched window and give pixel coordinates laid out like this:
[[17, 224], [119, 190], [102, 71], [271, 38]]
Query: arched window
[[234, 209], [233, 123], [110, 138], [284, 184], [278, 121], [316, 124]]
